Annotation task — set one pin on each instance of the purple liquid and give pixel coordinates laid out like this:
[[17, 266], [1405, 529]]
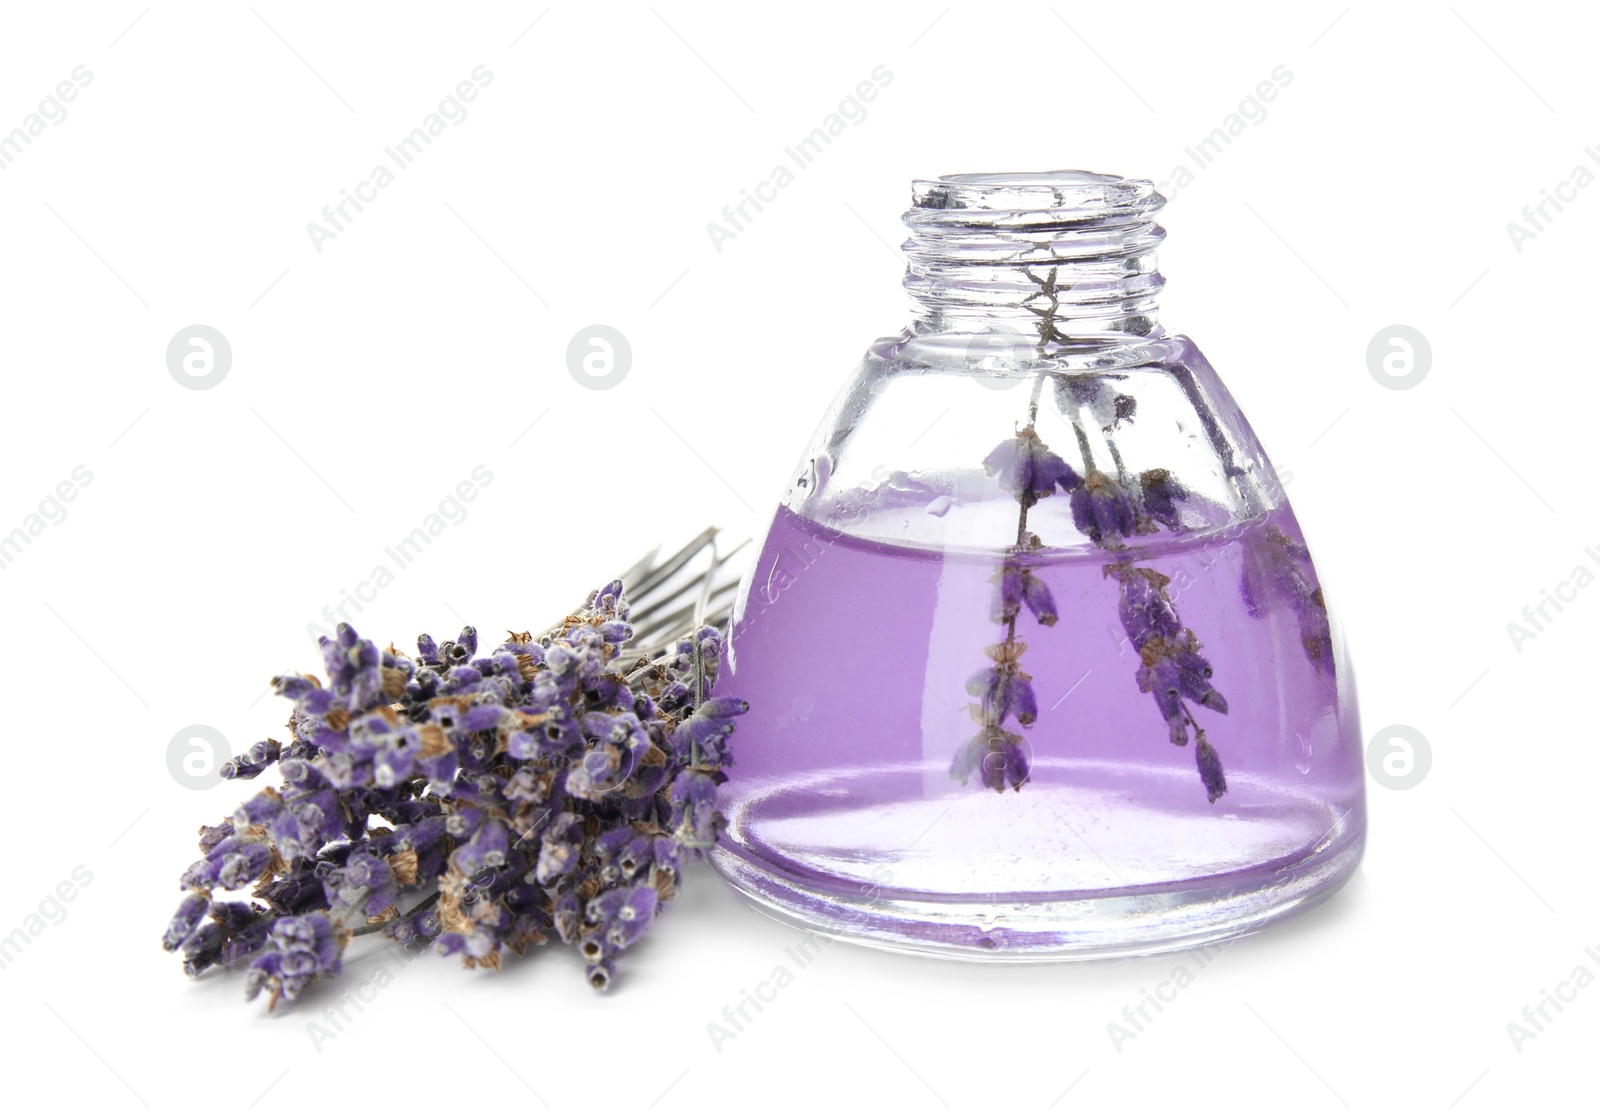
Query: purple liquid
[[854, 657]]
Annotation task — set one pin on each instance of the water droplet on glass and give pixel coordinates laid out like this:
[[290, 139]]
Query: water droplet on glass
[[1303, 763]]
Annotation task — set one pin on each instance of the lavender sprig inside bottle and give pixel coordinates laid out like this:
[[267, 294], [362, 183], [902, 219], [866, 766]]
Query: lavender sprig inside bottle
[[1028, 470]]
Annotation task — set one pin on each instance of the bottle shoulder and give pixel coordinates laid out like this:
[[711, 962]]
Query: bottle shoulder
[[913, 447]]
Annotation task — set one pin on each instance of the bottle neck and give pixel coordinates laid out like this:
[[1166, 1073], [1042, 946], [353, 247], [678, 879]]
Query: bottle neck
[[1068, 256]]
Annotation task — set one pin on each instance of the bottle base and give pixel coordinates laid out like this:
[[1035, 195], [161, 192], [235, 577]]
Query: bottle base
[[1105, 901]]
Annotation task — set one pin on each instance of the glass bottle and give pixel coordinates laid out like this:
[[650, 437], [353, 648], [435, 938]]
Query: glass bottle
[[1037, 661]]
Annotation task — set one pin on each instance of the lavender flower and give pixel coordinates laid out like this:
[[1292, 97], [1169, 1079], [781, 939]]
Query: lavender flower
[[1004, 690], [229, 933], [1017, 585], [1278, 573], [1143, 606], [1036, 595], [1162, 494], [203, 948], [1171, 667], [298, 951], [186, 920], [695, 820], [260, 757], [1028, 469], [365, 882], [480, 798], [998, 757], [624, 914], [1108, 510], [1102, 508], [1210, 765]]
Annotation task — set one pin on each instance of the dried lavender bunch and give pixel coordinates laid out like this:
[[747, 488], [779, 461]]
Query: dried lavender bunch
[[547, 786]]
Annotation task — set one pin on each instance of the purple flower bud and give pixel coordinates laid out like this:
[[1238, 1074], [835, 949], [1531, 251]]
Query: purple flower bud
[[1144, 608], [293, 894], [234, 916], [1036, 595], [259, 757], [599, 975], [1101, 508], [364, 870], [603, 907], [190, 911], [428, 839], [592, 947], [605, 727], [709, 640], [566, 917], [244, 865], [558, 849], [1006, 765], [1020, 698], [1161, 495], [258, 810], [213, 835], [694, 809], [675, 696], [1210, 765], [993, 695], [1008, 591], [999, 758], [247, 938], [320, 816], [1316, 635], [607, 598], [1003, 691], [524, 745], [664, 855], [635, 854], [201, 874], [633, 917], [1028, 469], [297, 951], [396, 763], [293, 686], [463, 678], [487, 849], [701, 732], [203, 949], [481, 717], [1277, 571], [722, 708], [1161, 679], [1194, 680]]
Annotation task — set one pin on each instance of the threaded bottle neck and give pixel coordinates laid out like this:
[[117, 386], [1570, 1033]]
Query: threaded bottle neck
[[1069, 255]]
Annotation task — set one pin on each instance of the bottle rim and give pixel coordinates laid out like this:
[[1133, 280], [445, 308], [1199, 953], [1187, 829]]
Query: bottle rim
[[1029, 196]]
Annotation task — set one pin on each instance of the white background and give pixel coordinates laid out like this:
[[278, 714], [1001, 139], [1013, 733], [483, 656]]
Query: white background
[[369, 379]]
